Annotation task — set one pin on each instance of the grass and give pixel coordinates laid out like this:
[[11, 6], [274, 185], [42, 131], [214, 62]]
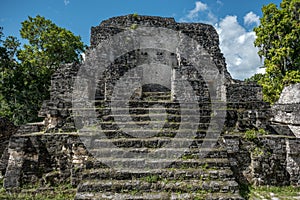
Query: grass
[[39, 196], [151, 178], [63, 192], [66, 192], [283, 193], [269, 192]]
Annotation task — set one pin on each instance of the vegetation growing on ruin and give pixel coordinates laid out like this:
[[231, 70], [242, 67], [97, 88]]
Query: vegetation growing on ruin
[[252, 134], [62, 192], [269, 192]]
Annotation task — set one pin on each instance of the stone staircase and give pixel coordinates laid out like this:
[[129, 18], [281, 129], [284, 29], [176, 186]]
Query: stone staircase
[[182, 171]]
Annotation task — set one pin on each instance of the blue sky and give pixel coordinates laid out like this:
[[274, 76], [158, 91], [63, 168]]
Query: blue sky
[[233, 19]]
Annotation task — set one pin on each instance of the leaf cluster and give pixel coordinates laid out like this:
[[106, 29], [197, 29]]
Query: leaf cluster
[[278, 40], [25, 73]]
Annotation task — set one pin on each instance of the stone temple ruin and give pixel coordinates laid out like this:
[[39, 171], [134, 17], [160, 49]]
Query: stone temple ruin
[[55, 151]]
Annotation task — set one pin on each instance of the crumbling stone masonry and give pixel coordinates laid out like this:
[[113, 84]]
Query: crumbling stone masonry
[[7, 129], [52, 151]]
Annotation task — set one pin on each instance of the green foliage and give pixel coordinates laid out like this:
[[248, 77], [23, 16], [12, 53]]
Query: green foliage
[[25, 73], [135, 15], [11, 44], [245, 190], [278, 38], [49, 45], [10, 76], [134, 26], [252, 134], [292, 76], [151, 178], [258, 152], [255, 78]]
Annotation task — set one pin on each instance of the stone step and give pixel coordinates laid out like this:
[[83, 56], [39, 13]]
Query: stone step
[[155, 142], [89, 135], [144, 185], [142, 104], [184, 131], [145, 108], [166, 123], [160, 153], [31, 127], [148, 103], [106, 102], [156, 96], [141, 123], [153, 163], [133, 195], [161, 115], [146, 94], [150, 110], [159, 174], [145, 124], [119, 134]]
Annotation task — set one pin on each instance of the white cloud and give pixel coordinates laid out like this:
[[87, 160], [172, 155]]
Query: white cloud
[[199, 6], [212, 19], [83, 56], [219, 2], [236, 44], [251, 18], [201, 13], [66, 2]]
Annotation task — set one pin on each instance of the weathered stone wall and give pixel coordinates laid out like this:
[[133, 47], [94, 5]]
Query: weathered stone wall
[[245, 107], [7, 129], [45, 159], [204, 34], [50, 159], [265, 160], [286, 111], [57, 111]]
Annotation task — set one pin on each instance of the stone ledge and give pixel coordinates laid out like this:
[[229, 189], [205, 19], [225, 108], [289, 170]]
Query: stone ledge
[[266, 160]]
